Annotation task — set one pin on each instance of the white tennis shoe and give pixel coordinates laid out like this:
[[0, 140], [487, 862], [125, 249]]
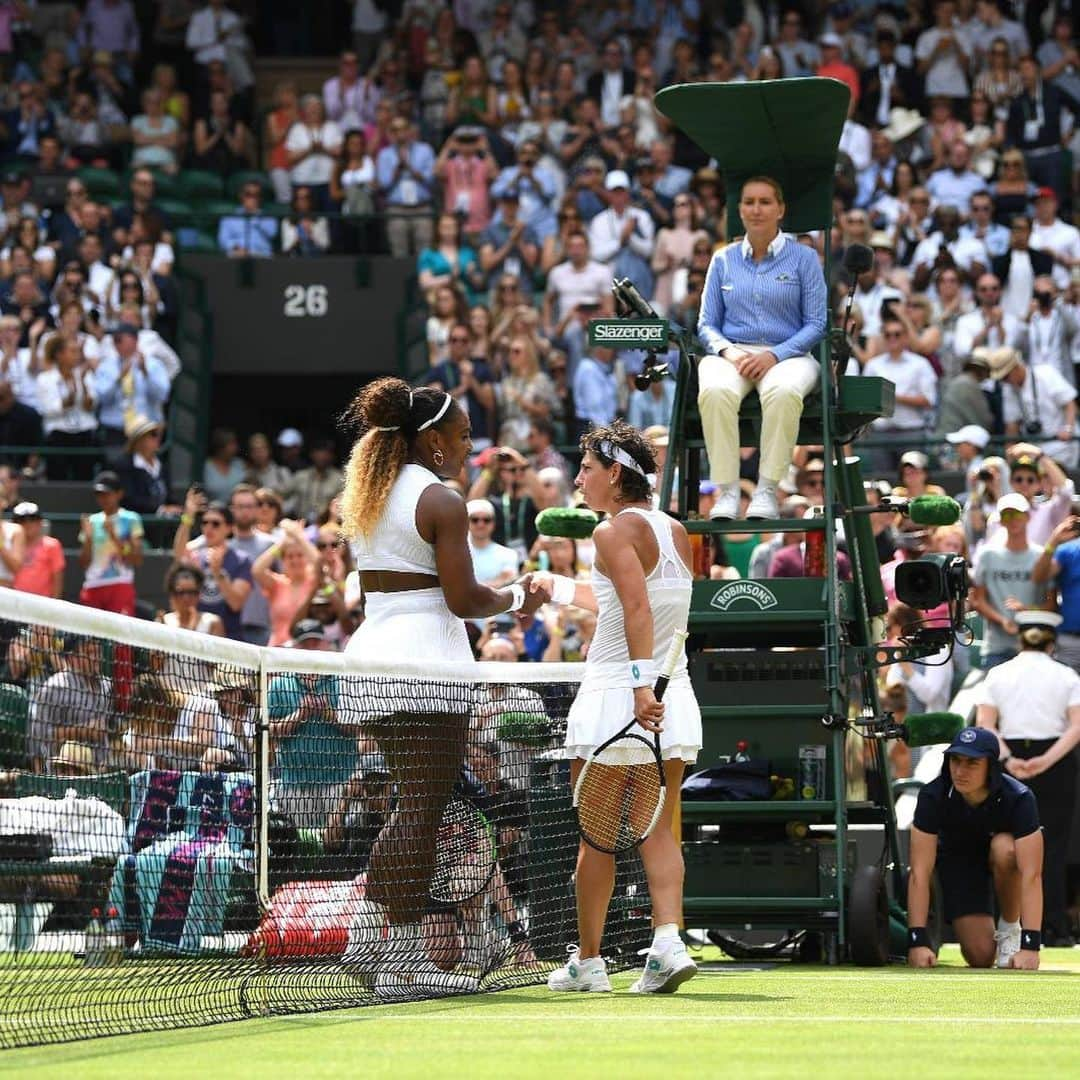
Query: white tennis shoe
[[726, 507], [581, 975], [1007, 937], [665, 971]]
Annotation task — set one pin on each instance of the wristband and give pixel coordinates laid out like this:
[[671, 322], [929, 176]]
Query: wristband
[[275, 550], [918, 938], [558, 632], [1049, 549], [1030, 940], [186, 519], [562, 589], [641, 672], [517, 592]]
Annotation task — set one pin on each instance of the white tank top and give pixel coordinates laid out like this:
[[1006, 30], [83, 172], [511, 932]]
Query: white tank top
[[668, 587], [395, 543]]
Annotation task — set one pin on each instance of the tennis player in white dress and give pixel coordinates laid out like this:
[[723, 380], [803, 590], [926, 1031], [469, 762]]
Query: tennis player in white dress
[[409, 537], [641, 583]]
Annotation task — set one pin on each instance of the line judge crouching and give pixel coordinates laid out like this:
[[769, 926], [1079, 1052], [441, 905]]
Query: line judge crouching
[[762, 311]]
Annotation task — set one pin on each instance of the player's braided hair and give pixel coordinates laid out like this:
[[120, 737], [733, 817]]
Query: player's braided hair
[[387, 413], [633, 487]]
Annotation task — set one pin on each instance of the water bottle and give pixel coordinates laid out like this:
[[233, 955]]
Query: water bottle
[[814, 547], [114, 938], [95, 940]]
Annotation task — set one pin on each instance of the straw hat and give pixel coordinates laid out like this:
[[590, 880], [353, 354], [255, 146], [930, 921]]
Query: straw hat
[[1002, 361], [903, 123], [137, 427], [75, 755], [229, 677]]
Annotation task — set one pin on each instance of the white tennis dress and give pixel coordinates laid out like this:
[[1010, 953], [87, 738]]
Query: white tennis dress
[[407, 625], [605, 702]]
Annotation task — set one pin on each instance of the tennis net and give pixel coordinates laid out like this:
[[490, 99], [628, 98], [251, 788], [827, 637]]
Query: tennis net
[[195, 830]]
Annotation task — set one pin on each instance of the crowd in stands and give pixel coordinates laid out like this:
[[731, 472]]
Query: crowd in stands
[[515, 153]]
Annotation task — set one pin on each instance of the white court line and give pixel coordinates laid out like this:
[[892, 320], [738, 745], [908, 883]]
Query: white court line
[[810, 1018]]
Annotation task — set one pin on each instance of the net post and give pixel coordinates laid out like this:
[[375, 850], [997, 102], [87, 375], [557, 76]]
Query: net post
[[262, 780]]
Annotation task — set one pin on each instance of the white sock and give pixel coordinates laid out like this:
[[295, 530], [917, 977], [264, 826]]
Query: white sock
[[764, 485], [664, 935]]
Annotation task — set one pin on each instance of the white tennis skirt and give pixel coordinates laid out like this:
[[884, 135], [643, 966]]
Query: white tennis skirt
[[407, 626], [599, 713]]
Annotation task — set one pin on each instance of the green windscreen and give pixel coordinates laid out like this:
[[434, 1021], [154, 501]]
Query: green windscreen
[[788, 129]]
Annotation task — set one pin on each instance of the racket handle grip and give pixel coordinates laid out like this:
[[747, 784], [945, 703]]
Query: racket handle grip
[[678, 640]]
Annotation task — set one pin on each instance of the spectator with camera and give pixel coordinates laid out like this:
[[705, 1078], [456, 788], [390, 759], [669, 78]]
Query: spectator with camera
[[1053, 327], [227, 573], [1038, 405], [977, 828], [948, 246]]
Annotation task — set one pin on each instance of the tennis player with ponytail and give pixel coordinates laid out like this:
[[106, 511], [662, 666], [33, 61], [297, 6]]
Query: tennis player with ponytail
[[409, 537], [641, 591]]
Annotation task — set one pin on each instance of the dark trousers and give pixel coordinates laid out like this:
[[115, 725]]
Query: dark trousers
[[1055, 792]]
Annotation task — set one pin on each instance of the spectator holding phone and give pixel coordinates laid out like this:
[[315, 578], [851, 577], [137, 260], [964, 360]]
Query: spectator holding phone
[[1059, 562]]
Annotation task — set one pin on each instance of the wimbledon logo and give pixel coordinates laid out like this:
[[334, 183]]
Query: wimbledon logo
[[752, 591]]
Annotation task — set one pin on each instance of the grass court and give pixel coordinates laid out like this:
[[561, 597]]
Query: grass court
[[734, 1020]]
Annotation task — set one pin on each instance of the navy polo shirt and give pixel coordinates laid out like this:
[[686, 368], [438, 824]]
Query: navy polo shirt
[[962, 829]]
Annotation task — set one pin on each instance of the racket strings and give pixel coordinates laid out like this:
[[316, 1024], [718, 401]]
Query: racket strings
[[464, 854], [617, 802]]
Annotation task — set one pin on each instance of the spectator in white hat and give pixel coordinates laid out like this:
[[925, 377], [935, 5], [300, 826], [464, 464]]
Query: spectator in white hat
[[493, 564], [621, 236], [1003, 581], [1037, 404], [290, 444], [968, 444]]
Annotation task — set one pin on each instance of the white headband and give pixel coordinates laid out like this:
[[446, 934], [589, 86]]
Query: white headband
[[427, 423], [438, 416], [617, 453]]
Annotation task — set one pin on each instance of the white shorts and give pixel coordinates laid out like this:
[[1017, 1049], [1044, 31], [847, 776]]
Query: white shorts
[[410, 625], [598, 714]]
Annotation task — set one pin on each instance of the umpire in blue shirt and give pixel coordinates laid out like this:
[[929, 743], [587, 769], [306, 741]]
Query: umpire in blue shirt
[[979, 828], [762, 311]]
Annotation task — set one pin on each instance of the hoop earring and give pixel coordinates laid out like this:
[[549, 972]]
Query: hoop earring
[[437, 456]]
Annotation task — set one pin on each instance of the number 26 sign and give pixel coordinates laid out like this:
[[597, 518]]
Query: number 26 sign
[[306, 301]]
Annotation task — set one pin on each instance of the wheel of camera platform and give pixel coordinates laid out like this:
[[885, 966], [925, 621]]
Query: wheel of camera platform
[[868, 918]]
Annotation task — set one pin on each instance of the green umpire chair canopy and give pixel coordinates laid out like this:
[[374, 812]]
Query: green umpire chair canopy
[[787, 129]]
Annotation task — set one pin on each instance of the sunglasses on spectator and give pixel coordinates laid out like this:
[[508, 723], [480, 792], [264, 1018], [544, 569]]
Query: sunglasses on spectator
[[1012, 515], [265, 502], [326, 545], [893, 334], [1024, 478], [512, 468], [185, 592], [507, 288], [217, 523], [459, 339], [478, 519]]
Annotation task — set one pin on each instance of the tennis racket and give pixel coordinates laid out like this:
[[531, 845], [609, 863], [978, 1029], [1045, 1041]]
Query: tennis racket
[[464, 854], [620, 791]]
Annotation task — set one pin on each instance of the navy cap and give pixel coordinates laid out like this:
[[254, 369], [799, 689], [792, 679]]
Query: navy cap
[[976, 742]]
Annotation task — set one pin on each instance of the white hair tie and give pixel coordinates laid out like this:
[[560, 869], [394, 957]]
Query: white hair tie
[[438, 416], [617, 453], [396, 427]]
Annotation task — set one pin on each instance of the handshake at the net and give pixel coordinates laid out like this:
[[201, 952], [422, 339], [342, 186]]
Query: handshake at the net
[[539, 585]]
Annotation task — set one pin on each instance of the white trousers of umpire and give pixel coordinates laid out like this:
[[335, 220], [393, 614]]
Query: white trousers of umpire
[[782, 391]]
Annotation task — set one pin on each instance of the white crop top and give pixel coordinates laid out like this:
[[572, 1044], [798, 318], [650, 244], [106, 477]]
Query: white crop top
[[395, 543]]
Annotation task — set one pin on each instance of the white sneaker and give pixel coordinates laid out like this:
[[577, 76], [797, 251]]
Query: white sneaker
[[421, 979], [1007, 937], [726, 507], [665, 971], [763, 504], [582, 975]]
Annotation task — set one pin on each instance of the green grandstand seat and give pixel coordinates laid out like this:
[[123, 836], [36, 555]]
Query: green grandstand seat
[[165, 186], [14, 717], [239, 179], [177, 209], [100, 183], [199, 185]]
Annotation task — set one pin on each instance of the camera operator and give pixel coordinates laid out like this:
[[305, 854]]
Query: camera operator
[[1034, 703], [985, 487], [1060, 562], [978, 828], [1038, 405], [1004, 583]]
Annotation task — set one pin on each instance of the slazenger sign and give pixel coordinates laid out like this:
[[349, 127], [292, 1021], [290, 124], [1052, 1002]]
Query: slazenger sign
[[629, 333], [751, 591]]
